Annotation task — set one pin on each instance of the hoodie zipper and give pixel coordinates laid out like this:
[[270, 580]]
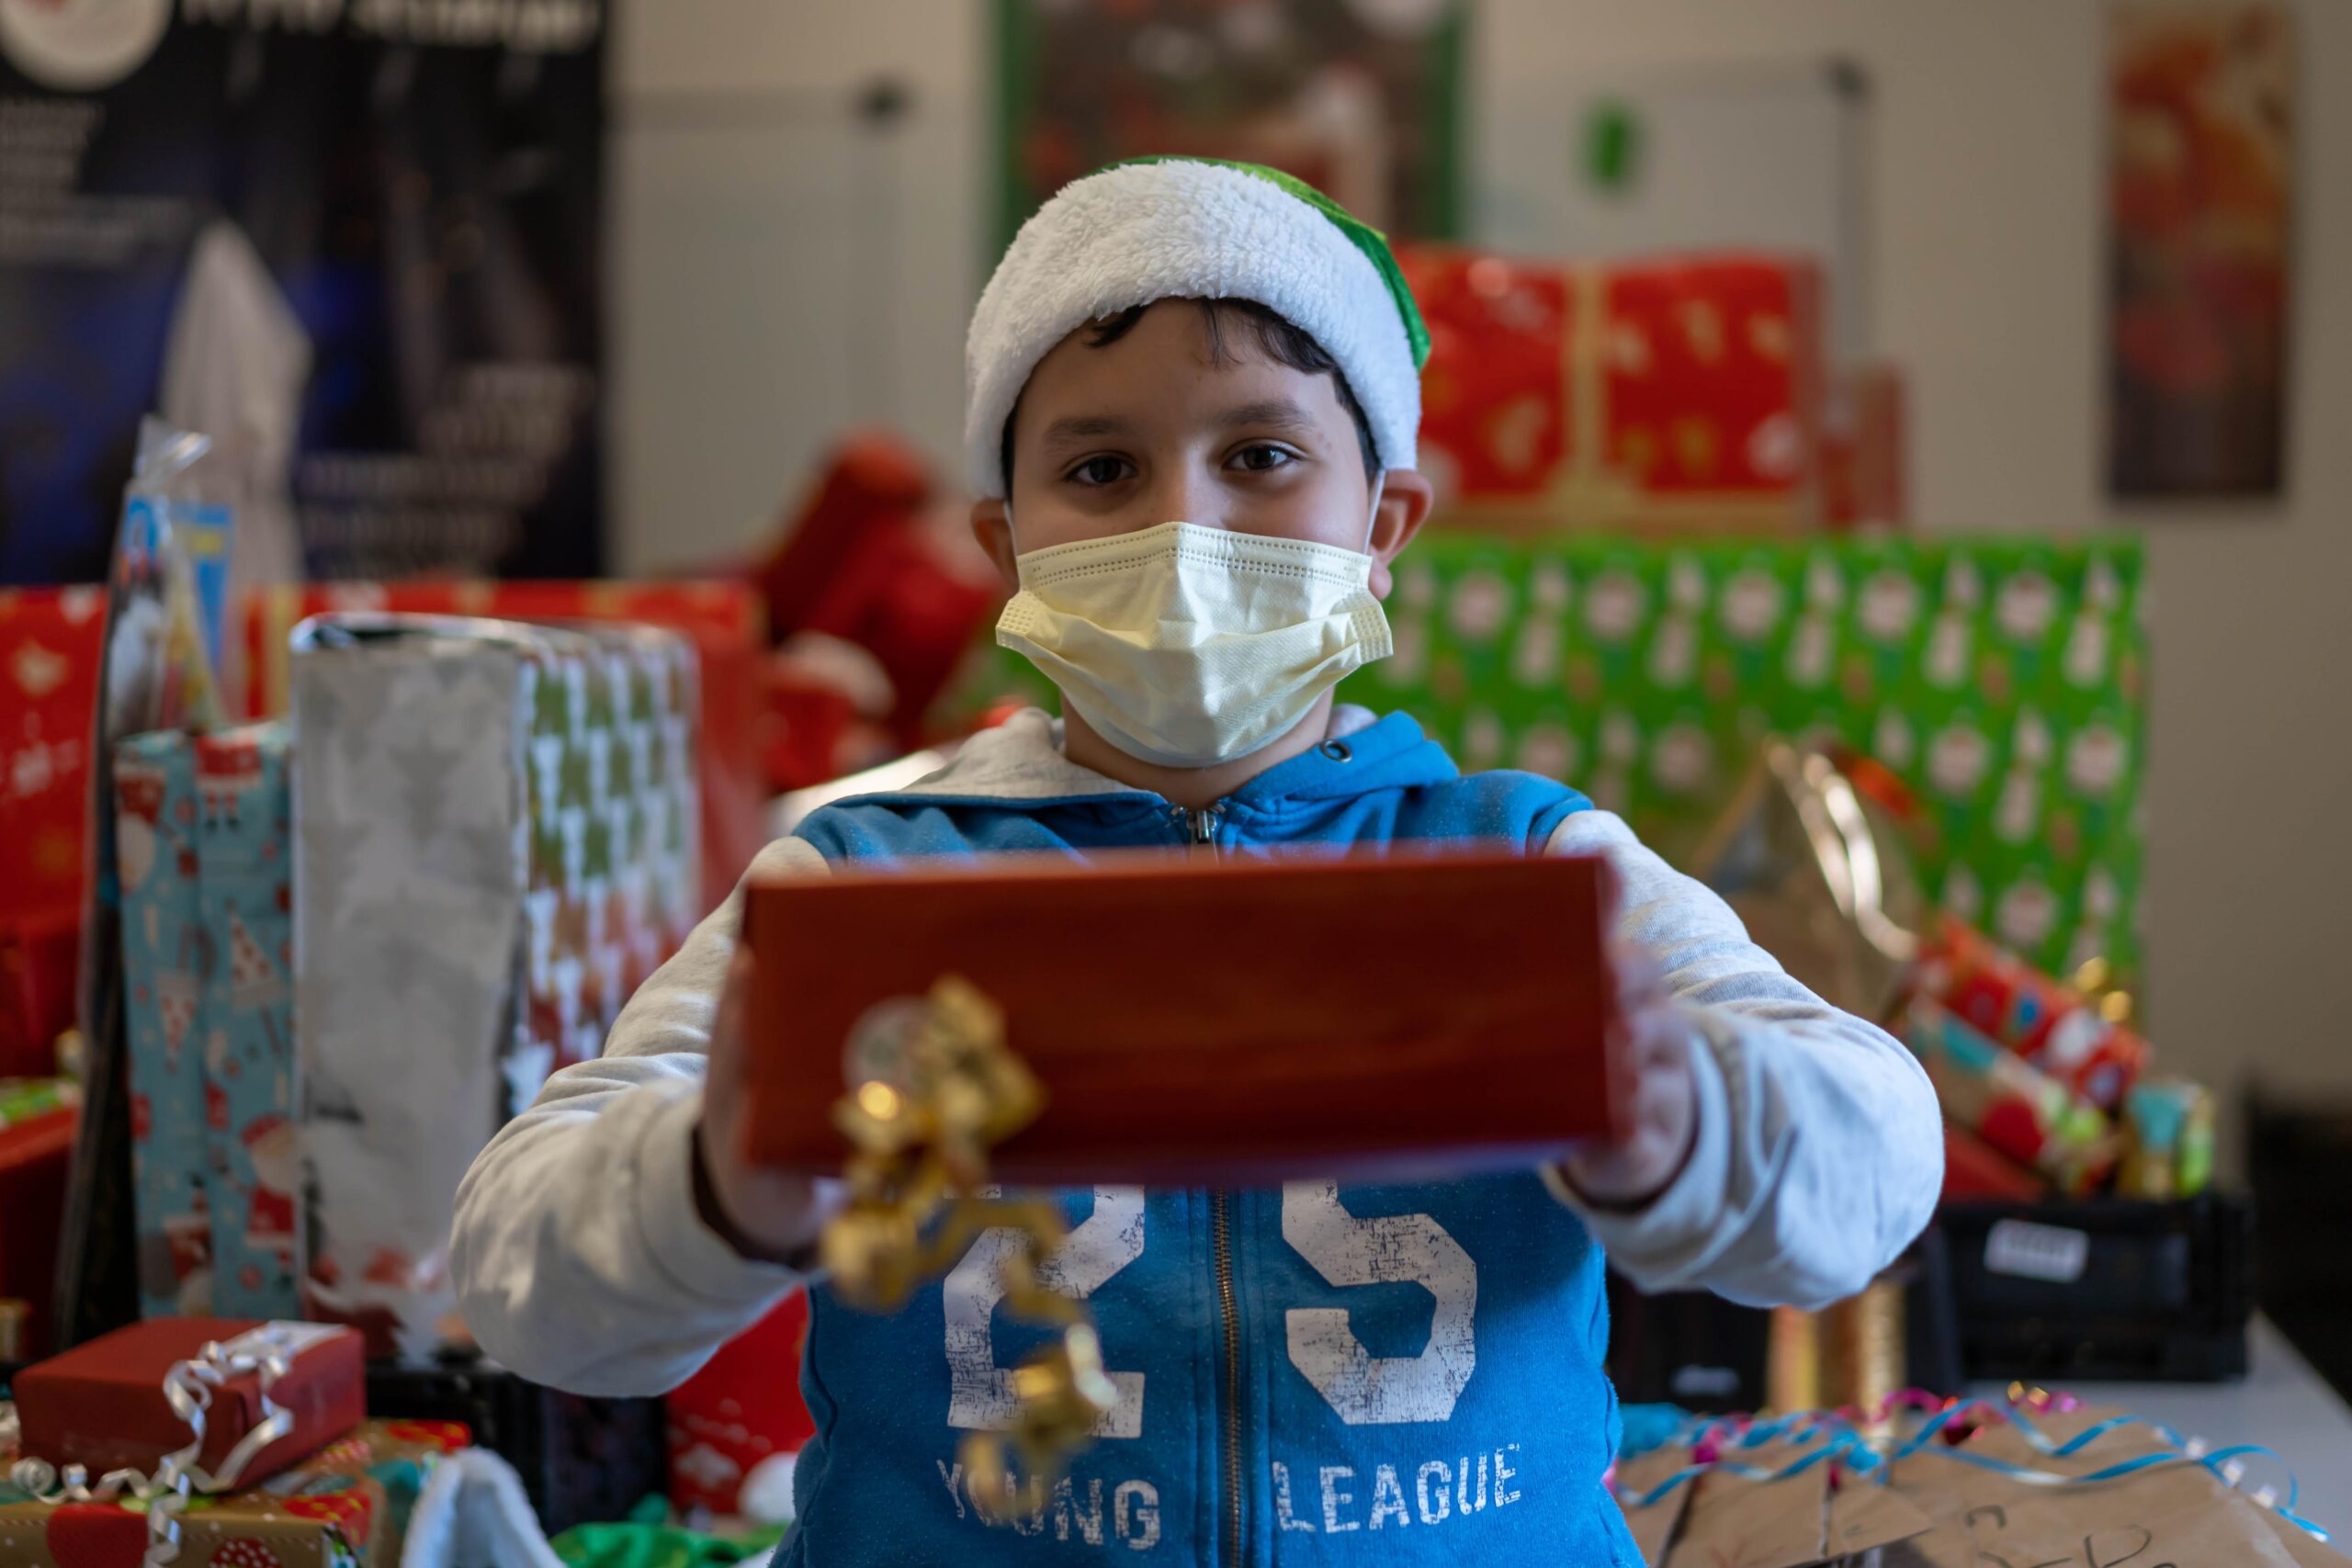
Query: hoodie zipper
[[1221, 1241], [1199, 828]]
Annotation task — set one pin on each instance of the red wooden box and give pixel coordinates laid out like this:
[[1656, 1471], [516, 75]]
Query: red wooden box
[[1242, 1021]]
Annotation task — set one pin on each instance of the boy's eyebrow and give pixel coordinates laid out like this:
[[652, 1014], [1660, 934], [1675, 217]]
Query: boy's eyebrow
[[1278, 414], [1078, 428], [1281, 413]]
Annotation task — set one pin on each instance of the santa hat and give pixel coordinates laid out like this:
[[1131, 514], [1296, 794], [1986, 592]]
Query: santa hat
[[1196, 228], [263, 1126]]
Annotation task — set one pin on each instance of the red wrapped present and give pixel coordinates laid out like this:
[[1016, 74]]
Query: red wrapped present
[[1679, 393], [345, 1506], [105, 1404], [1974, 1169], [49, 673], [741, 1412], [1863, 454], [2059, 1028], [722, 619]]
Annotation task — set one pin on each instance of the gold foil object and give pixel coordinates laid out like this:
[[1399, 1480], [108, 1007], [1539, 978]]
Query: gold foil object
[[1848, 1355], [14, 1315], [1819, 876], [919, 1198]]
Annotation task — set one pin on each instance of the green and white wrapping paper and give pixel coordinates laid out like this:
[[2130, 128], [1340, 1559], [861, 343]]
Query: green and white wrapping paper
[[2003, 679]]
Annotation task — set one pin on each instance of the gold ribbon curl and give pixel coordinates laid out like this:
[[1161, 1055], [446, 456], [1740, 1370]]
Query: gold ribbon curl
[[919, 1197]]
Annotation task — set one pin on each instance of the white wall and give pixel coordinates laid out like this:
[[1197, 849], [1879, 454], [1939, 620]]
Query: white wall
[[1986, 194]]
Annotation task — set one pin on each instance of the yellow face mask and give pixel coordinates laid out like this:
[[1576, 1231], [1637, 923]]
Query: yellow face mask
[[1187, 646]]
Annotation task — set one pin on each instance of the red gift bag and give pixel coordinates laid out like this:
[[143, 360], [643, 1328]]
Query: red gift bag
[[49, 641]]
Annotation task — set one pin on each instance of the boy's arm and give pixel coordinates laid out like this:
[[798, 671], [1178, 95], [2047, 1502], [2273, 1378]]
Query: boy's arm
[[581, 1259], [1818, 1151]]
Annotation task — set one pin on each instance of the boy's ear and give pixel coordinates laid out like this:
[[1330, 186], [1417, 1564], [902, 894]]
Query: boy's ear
[[992, 526], [1406, 498]]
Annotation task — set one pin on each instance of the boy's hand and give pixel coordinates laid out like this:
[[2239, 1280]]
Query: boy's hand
[[769, 1216], [1627, 1172]]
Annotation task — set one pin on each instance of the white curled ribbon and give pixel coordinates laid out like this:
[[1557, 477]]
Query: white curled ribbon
[[265, 1352]]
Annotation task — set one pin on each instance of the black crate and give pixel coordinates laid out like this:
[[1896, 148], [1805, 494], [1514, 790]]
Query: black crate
[[1700, 1352], [2103, 1289], [582, 1460]]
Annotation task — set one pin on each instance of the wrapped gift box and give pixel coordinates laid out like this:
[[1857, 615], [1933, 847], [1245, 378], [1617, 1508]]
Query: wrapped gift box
[[2057, 1027], [205, 844], [2001, 680], [2168, 1132], [345, 1506], [165, 963], [1681, 393], [723, 620], [1864, 477], [2015, 1109], [49, 673], [246, 869], [497, 841], [102, 1405]]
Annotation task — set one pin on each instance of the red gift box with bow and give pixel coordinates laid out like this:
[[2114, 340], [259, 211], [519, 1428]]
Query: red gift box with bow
[[105, 1405]]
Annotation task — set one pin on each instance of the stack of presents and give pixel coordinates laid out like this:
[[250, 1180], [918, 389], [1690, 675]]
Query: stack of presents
[[457, 823], [336, 1490], [341, 874], [1670, 531]]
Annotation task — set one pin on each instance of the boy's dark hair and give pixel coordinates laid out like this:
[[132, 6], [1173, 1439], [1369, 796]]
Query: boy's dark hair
[[1275, 337]]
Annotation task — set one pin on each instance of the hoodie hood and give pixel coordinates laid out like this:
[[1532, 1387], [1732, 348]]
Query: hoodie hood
[[1022, 760]]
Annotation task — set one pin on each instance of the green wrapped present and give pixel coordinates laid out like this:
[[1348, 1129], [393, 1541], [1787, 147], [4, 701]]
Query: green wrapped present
[[2003, 681]]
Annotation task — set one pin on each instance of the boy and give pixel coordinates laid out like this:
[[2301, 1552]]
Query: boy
[[1397, 1375]]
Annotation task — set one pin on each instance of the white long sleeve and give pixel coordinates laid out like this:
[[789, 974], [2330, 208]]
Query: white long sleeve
[[579, 1258], [1819, 1149]]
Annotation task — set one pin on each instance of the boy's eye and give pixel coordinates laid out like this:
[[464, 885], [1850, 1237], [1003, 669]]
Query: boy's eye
[[1101, 471], [1259, 458]]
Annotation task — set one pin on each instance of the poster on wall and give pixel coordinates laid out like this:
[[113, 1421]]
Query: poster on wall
[[2200, 104], [355, 240], [1360, 99]]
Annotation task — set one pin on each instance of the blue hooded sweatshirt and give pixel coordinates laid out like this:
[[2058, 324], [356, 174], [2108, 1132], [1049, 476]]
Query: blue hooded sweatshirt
[[1392, 1375]]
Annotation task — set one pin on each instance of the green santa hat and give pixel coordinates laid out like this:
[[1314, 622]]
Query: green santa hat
[[1196, 228]]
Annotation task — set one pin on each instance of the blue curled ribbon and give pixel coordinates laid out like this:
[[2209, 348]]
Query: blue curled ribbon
[[1840, 1439]]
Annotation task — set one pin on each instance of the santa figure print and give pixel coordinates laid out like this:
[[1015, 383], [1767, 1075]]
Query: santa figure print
[[228, 768], [139, 814], [275, 1146], [177, 997]]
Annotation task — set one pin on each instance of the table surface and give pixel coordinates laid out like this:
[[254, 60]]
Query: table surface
[[2281, 1403]]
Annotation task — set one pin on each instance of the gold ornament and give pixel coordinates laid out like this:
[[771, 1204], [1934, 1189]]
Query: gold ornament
[[920, 1196]]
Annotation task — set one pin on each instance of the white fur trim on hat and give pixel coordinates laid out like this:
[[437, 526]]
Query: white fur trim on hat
[[1141, 232]]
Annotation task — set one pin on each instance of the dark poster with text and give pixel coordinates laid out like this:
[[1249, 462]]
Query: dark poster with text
[[357, 239]]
